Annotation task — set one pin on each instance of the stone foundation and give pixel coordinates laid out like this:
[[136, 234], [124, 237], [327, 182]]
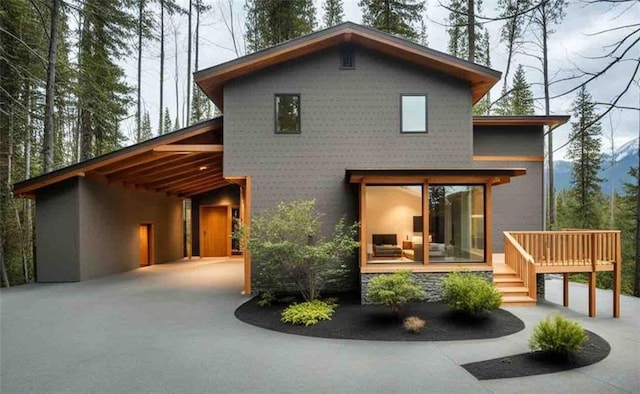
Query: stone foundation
[[540, 286], [431, 283]]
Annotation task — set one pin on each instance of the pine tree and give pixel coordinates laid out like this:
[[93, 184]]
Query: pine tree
[[519, 101], [333, 12], [145, 128], [270, 22], [103, 93], [166, 122], [397, 17], [513, 29], [467, 38], [584, 152]]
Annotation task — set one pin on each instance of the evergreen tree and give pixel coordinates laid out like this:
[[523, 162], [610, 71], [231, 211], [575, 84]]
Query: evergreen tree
[[519, 101], [483, 107], [270, 22], [513, 28], [166, 122], [103, 93], [584, 152], [397, 17], [145, 128], [465, 29], [333, 13], [626, 221]]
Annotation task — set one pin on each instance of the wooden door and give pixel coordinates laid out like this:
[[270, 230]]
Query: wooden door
[[145, 245], [214, 231]]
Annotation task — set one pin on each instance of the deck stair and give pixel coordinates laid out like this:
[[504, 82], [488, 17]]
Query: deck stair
[[514, 293]]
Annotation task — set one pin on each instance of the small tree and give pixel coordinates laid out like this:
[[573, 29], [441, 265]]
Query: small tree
[[286, 245], [394, 290]]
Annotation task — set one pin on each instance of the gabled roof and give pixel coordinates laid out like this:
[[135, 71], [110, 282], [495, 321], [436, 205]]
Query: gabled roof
[[213, 79], [181, 163], [552, 121]]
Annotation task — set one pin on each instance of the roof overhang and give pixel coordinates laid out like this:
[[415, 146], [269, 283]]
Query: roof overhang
[[182, 163], [213, 79], [552, 121], [494, 176]]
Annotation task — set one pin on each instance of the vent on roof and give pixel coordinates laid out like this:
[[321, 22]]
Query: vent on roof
[[347, 61]]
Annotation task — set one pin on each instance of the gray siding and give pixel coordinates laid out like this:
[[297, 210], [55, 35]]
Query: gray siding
[[227, 196], [57, 233], [350, 119], [518, 205], [508, 141], [109, 222]]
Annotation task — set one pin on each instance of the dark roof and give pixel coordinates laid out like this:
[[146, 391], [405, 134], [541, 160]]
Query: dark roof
[[211, 80], [29, 186]]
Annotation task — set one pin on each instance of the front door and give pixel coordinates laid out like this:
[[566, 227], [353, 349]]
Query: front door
[[214, 231], [145, 245]]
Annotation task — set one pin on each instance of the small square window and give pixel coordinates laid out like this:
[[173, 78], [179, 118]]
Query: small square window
[[347, 60], [287, 113], [413, 113]]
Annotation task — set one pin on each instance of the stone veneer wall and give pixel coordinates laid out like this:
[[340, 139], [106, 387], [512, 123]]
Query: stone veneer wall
[[431, 282]]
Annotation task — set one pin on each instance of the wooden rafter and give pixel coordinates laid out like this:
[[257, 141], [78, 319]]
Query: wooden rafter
[[190, 148], [188, 168], [181, 185], [147, 157], [203, 189], [191, 184], [157, 185], [168, 162]]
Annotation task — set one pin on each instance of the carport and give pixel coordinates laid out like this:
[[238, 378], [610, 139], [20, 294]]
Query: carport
[[132, 207]]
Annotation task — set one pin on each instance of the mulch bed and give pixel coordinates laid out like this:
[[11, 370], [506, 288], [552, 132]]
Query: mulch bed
[[538, 363], [373, 322]]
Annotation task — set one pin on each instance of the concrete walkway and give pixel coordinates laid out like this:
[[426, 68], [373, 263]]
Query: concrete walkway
[[170, 328]]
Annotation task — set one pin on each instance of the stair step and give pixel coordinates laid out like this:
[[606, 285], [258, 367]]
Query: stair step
[[514, 291], [508, 282], [512, 300]]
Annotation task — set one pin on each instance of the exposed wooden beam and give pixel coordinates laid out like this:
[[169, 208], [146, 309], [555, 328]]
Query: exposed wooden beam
[[193, 183], [188, 148], [143, 158], [204, 189], [168, 162], [158, 185], [185, 169], [209, 183]]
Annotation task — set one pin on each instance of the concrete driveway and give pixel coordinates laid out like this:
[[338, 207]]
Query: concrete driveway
[[170, 328]]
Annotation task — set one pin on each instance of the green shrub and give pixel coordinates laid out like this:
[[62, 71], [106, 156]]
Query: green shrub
[[464, 291], [413, 324], [266, 298], [308, 313], [558, 335], [394, 290]]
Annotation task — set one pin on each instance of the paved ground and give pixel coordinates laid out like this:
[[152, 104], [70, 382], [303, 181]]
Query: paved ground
[[170, 328]]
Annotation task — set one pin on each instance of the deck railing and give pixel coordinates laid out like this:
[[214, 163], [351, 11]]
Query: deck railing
[[521, 263], [566, 251]]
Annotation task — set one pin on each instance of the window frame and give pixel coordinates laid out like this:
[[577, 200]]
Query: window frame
[[426, 113], [350, 52], [275, 113]]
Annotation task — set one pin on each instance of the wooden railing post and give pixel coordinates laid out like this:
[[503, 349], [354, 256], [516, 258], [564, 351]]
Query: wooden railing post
[[617, 275], [592, 278]]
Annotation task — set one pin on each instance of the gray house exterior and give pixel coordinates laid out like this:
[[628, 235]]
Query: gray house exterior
[[350, 140]]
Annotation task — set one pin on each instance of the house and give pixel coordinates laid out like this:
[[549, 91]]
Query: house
[[372, 126]]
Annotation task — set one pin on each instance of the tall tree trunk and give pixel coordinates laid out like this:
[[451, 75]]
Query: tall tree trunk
[[27, 174], [186, 123], [50, 88], [139, 87], [471, 30], [161, 117], [636, 287], [3, 267], [86, 137], [175, 46], [545, 76]]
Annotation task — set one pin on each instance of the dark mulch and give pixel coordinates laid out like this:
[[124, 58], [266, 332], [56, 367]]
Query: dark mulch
[[373, 322], [538, 363]]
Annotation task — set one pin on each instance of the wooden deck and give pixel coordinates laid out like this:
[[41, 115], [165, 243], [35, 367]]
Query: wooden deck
[[539, 252]]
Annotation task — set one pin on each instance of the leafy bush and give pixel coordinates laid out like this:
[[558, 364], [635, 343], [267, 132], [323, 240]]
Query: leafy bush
[[470, 293], [308, 313], [414, 324], [266, 298], [557, 335], [394, 290], [287, 248]]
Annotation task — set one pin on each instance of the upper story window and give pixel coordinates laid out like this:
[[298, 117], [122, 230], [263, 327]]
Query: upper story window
[[347, 60], [287, 113], [413, 113]]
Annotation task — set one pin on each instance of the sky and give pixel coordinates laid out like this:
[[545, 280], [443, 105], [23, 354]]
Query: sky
[[573, 46]]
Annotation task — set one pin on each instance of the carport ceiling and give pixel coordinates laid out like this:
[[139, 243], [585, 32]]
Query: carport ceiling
[[183, 163]]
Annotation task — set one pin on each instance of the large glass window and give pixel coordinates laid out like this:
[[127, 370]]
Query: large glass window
[[456, 223], [287, 113], [414, 113]]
